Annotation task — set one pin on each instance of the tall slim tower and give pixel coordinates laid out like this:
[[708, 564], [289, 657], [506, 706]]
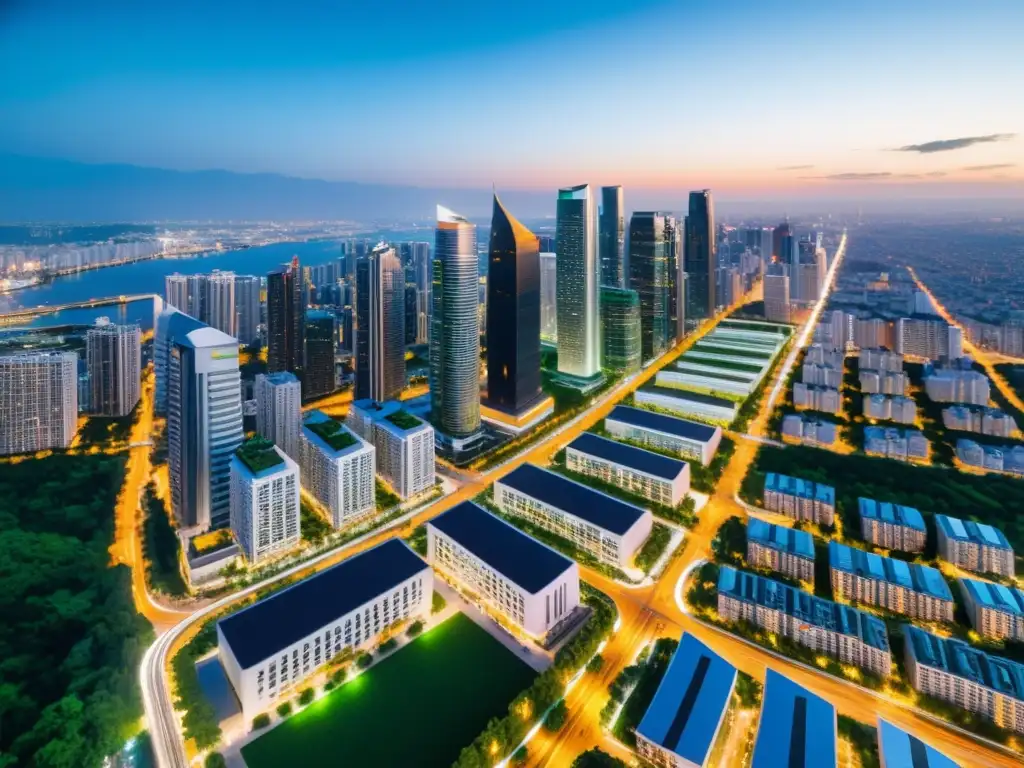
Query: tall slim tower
[[286, 318], [279, 410], [548, 297], [579, 345], [219, 302], [380, 325], [454, 328], [247, 308], [318, 373], [513, 314], [674, 265], [114, 357], [700, 256], [612, 237], [648, 276]]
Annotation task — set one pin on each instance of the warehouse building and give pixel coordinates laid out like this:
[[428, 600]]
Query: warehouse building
[[692, 404], [797, 729], [995, 611], [654, 476], [891, 526], [800, 499], [974, 546], [786, 550], [687, 438]]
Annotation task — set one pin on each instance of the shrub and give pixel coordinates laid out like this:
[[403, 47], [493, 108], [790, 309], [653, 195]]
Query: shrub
[[306, 697], [260, 721], [595, 664], [414, 629], [284, 709], [520, 756], [338, 676], [437, 603], [215, 760], [556, 717], [364, 660], [387, 646], [328, 686]]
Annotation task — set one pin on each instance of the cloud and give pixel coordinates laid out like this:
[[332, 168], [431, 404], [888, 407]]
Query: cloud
[[948, 145], [855, 176], [993, 167], [936, 174], [795, 168]]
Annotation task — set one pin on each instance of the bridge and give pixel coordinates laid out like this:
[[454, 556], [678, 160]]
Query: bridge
[[29, 313]]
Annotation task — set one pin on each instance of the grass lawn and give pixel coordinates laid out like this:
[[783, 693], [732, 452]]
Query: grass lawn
[[419, 707]]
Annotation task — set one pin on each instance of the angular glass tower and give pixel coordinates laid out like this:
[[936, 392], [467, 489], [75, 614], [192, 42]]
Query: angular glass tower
[[286, 319], [700, 248], [455, 328], [513, 314], [620, 329], [380, 325], [648, 276], [579, 352], [612, 237], [318, 375]]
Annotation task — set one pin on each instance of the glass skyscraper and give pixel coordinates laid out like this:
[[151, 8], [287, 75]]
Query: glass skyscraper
[[674, 261], [380, 325], [700, 255], [579, 352], [612, 237], [318, 374], [455, 328], [513, 314], [286, 319], [620, 329], [648, 276]]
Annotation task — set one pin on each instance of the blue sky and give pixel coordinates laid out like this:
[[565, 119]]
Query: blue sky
[[723, 93]]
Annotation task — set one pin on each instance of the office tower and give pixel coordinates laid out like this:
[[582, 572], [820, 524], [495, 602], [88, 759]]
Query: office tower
[[264, 499], [219, 302], [620, 329], [682, 294], [513, 314], [204, 419], [279, 410], [454, 328], [700, 255], [782, 243], [548, 298], [579, 351], [380, 325], [247, 309], [648, 276], [421, 273], [674, 260], [776, 293], [286, 318], [612, 237], [411, 313], [38, 401], [178, 293], [318, 372], [114, 357]]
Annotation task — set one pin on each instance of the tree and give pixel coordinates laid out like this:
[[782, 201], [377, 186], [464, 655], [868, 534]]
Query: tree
[[437, 603], [364, 660], [415, 628], [595, 664], [597, 758], [284, 709], [260, 721], [215, 760], [520, 756], [557, 716]]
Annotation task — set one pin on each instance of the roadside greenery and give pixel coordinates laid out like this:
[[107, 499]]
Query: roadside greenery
[[260, 721], [597, 758], [647, 678], [863, 740], [556, 717], [653, 548], [312, 526], [383, 496], [161, 547], [418, 540], [437, 602]]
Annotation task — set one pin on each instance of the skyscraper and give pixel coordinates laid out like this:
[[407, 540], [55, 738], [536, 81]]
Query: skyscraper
[[38, 401], [674, 261], [782, 249], [548, 300], [776, 293], [411, 313], [620, 329], [380, 325], [612, 237], [648, 276], [247, 308], [219, 302], [114, 357], [454, 328], [421, 272], [279, 410], [700, 255], [513, 314], [579, 352], [286, 318], [318, 372]]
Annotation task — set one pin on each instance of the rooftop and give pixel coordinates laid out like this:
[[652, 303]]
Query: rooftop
[[794, 486], [574, 498], [681, 367], [403, 420], [258, 454], [913, 576], [887, 512], [281, 377], [503, 547], [637, 459], [900, 749], [331, 433], [995, 596], [958, 658], [797, 728], [687, 709], [968, 530], [640, 417], [685, 395], [790, 540], [264, 628]]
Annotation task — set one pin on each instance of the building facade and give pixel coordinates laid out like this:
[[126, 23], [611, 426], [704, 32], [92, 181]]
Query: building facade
[[612, 237], [264, 500], [279, 410], [404, 444], [815, 398], [782, 549], [38, 401], [688, 438], [114, 357], [286, 319], [953, 386], [338, 469], [248, 308], [800, 499], [777, 307], [700, 255], [656, 477], [321, 335], [891, 526], [548, 298], [579, 351], [995, 611], [380, 325], [620, 329], [985, 421], [974, 546], [649, 277]]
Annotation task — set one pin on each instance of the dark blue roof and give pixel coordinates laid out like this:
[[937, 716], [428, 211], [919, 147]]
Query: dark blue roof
[[797, 728], [505, 548], [629, 456], [261, 630], [641, 417], [913, 576], [900, 749]]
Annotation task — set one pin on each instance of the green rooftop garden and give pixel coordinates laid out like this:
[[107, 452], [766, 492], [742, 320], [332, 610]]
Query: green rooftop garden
[[332, 433], [257, 453], [403, 420]]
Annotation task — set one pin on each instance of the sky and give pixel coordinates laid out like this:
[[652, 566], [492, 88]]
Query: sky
[[748, 97]]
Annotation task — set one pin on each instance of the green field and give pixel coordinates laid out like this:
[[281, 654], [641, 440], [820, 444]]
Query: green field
[[419, 707]]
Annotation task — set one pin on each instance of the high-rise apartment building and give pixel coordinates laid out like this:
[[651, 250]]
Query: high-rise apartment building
[[38, 401], [548, 298], [420, 255], [219, 302], [701, 255], [620, 329], [264, 499], [113, 354], [648, 276], [513, 315], [612, 237], [286, 318], [337, 468], [776, 294], [925, 336], [247, 308], [223, 300], [579, 353], [404, 444], [380, 325], [318, 372], [279, 410], [454, 329]]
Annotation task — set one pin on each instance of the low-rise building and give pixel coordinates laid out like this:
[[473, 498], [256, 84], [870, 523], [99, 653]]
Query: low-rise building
[[269, 648], [875, 359], [995, 458], [955, 386], [845, 633], [995, 611], [900, 749], [974, 546], [911, 589], [609, 529], [694, 404], [404, 444], [822, 375], [682, 727], [531, 585], [893, 443], [953, 671], [902, 410], [819, 354], [883, 382], [816, 398], [891, 526], [264, 499], [689, 439], [782, 549], [693, 375], [985, 421], [338, 468], [800, 499], [797, 729], [808, 430], [654, 476]]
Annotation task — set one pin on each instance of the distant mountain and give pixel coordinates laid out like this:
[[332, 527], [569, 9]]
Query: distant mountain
[[38, 189]]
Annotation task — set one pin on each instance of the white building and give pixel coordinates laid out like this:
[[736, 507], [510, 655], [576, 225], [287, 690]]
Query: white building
[[820, 354], [338, 468], [609, 529], [873, 359], [264, 499], [808, 430], [891, 526], [38, 401], [902, 445], [688, 438], [995, 611], [534, 587], [816, 398], [113, 354], [822, 375], [279, 410], [1005, 458], [404, 443], [924, 337], [777, 299], [986, 421], [579, 343], [782, 549], [884, 382], [902, 410], [800, 499], [271, 648], [974, 546], [654, 476], [952, 386]]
